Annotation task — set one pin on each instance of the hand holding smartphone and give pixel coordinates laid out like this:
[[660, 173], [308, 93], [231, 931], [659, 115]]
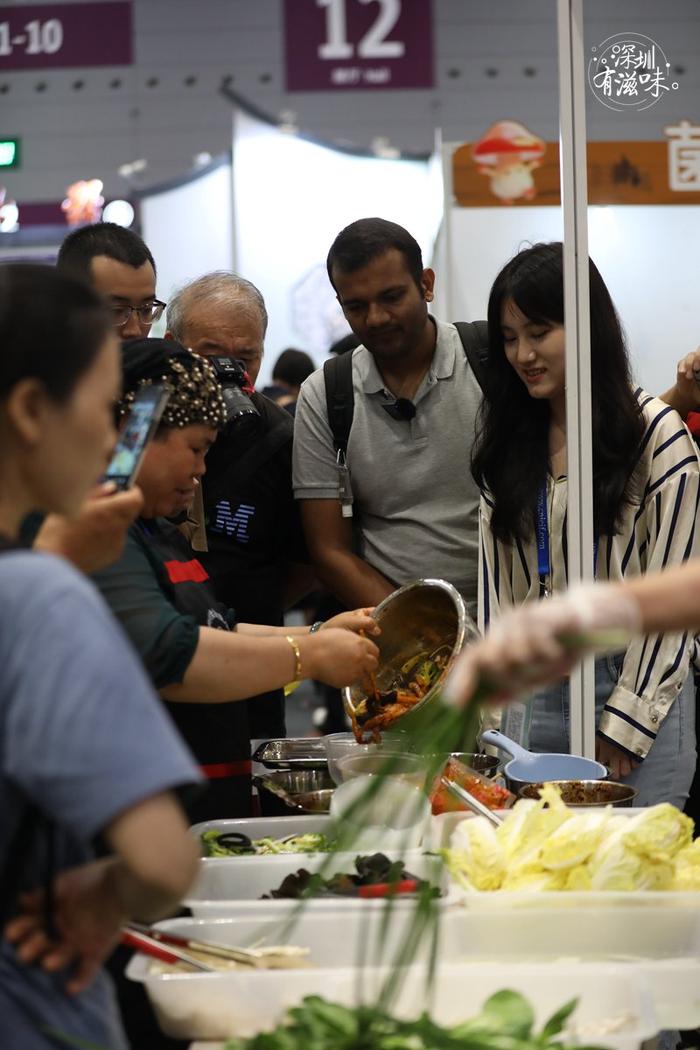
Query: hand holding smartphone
[[142, 421]]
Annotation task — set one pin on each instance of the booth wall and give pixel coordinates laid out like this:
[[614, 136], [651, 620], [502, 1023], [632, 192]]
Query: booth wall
[[189, 228], [647, 256], [291, 199]]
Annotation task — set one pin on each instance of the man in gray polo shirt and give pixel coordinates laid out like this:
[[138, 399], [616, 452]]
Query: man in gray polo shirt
[[415, 504]]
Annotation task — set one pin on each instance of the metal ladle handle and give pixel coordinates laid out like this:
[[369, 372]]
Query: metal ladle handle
[[470, 800]]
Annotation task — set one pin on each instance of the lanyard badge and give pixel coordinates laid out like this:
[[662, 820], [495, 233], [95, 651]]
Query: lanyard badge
[[344, 486], [544, 566]]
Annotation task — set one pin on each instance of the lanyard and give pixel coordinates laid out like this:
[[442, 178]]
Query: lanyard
[[544, 565]]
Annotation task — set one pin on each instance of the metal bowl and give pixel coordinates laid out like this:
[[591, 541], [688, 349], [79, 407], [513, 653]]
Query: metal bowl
[[587, 792], [303, 752], [287, 791], [418, 617]]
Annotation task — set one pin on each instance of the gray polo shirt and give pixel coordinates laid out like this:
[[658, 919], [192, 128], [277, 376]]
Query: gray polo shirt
[[416, 503]]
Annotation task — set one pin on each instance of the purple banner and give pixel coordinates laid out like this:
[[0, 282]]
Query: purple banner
[[57, 36], [357, 44]]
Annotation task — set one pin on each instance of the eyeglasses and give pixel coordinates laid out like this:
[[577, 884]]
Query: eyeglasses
[[149, 313]]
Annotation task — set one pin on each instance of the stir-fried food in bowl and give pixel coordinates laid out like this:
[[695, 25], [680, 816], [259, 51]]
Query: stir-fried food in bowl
[[424, 626], [380, 708]]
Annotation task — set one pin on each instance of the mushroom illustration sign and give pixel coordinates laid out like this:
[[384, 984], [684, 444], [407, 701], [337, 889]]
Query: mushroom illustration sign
[[508, 154]]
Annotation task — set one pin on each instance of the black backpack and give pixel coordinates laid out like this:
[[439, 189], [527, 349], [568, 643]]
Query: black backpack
[[340, 396]]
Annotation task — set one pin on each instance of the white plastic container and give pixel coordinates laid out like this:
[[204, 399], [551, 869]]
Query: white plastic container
[[225, 884], [675, 985], [588, 929], [397, 814], [221, 1005], [265, 827], [439, 835]]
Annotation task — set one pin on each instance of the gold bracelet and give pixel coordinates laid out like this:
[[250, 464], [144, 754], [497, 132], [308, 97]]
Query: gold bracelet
[[297, 657]]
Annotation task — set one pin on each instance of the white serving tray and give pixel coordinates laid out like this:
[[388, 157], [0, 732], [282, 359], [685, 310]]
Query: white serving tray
[[567, 900], [532, 935], [588, 929], [227, 886], [674, 986], [264, 827], [440, 833], [241, 1003]]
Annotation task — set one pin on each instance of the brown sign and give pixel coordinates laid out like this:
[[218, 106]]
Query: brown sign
[[497, 171]]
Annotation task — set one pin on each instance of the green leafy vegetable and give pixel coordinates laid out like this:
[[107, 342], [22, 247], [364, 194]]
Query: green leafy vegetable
[[506, 1022], [375, 870]]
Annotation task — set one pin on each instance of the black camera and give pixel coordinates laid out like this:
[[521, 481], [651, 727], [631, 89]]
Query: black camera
[[240, 410]]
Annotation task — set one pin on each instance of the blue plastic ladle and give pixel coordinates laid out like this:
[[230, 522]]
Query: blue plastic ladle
[[531, 768]]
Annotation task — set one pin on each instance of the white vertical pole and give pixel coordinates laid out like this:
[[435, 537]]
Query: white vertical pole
[[234, 213], [572, 152], [447, 210]]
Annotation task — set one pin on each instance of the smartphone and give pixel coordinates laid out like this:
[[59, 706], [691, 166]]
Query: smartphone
[[146, 410]]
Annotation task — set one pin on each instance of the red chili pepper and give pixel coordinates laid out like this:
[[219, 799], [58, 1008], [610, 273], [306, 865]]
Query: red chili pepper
[[388, 889]]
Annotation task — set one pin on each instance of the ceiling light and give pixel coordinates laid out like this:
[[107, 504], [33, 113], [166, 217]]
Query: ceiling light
[[382, 147], [120, 212], [288, 122], [133, 168]]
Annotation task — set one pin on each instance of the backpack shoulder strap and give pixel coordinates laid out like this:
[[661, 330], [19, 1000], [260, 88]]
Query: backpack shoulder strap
[[340, 398], [475, 340]]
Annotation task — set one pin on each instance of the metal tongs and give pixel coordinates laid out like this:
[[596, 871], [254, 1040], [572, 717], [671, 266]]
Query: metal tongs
[[170, 948], [475, 804]]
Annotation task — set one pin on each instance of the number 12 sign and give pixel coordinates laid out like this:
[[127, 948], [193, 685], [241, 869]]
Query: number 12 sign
[[351, 44]]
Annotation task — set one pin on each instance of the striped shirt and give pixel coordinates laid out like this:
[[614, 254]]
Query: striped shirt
[[657, 530]]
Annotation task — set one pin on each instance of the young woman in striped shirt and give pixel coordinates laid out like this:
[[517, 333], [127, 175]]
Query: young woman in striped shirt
[[645, 501]]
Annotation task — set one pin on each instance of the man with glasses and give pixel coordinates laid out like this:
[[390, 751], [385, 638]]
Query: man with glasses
[[118, 265]]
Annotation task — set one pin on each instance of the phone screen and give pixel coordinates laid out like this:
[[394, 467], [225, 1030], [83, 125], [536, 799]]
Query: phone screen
[[146, 410]]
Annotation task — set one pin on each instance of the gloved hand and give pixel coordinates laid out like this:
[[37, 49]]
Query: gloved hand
[[539, 642]]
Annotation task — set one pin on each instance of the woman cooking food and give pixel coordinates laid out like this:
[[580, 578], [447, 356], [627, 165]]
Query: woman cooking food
[[196, 654], [646, 483]]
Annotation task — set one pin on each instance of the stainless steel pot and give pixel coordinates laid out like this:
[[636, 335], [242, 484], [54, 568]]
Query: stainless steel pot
[[292, 753], [287, 791], [587, 792]]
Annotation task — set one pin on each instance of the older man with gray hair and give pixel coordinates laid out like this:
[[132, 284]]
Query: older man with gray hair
[[256, 554], [221, 314]]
